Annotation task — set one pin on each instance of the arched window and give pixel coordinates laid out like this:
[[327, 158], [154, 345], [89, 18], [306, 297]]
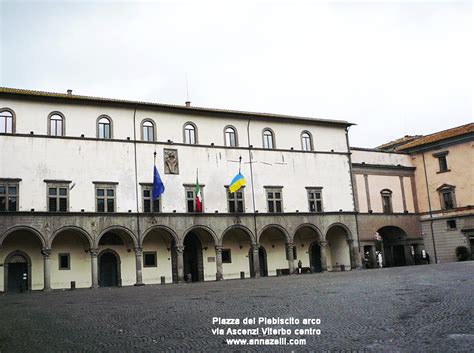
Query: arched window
[[7, 122], [268, 139], [56, 124], [306, 141], [148, 130], [104, 127], [386, 201], [190, 135], [230, 135]]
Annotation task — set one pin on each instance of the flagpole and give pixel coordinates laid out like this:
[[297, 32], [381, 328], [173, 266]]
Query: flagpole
[[240, 163], [154, 158]]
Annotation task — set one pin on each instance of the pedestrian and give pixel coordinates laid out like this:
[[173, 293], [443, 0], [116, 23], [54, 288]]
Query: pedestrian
[[380, 259], [300, 266]]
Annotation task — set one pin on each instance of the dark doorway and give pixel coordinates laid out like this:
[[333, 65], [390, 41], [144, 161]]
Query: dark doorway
[[399, 255], [18, 276], [192, 258], [108, 273], [262, 261], [315, 258]]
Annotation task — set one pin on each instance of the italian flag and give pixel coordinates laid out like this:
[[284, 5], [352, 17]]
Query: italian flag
[[198, 193]]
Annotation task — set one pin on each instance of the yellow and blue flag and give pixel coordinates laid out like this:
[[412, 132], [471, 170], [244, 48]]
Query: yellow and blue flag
[[237, 183]]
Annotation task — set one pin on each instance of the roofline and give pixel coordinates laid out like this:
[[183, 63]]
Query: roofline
[[376, 150], [33, 94]]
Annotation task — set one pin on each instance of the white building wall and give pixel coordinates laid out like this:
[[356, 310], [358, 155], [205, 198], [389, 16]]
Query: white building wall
[[385, 158]]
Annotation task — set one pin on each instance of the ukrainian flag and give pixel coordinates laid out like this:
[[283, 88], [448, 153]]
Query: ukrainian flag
[[237, 183]]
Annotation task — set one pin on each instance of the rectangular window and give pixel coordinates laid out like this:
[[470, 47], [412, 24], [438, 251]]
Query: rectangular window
[[105, 198], [443, 164], [8, 196], [235, 201], [451, 224], [448, 200], [148, 205], [226, 258], [190, 192], [315, 199], [149, 259], [387, 203], [58, 197], [64, 262], [274, 200]]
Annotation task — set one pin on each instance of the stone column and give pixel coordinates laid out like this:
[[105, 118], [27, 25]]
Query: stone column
[[94, 268], [408, 255], [291, 257], [180, 262], [47, 268], [138, 266], [352, 253], [374, 256], [324, 261], [219, 273], [255, 260]]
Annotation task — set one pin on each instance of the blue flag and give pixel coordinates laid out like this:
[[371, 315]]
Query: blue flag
[[158, 186]]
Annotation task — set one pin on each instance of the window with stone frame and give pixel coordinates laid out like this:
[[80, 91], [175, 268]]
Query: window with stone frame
[[149, 259], [7, 122], [64, 261], [315, 199], [306, 141], [58, 197], [9, 191], [386, 201], [230, 136], [274, 199], [148, 130], [268, 139], [447, 197], [226, 256], [105, 195], [150, 206], [190, 134], [235, 201], [56, 124], [190, 193], [104, 127], [442, 161]]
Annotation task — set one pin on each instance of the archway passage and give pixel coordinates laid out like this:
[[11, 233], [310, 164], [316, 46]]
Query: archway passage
[[315, 257], [17, 267], [236, 257], [339, 250], [108, 270], [273, 242], [159, 256], [396, 251], [192, 258]]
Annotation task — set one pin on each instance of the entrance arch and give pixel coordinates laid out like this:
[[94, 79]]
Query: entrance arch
[[109, 269], [236, 244], [273, 240], [307, 248], [199, 255], [192, 258], [394, 247], [315, 257], [339, 248], [17, 272]]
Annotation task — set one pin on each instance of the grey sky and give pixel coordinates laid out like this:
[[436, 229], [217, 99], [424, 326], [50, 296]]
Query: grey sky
[[393, 68]]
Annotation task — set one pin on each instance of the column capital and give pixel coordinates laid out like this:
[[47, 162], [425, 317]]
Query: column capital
[[255, 246], [46, 252], [218, 248], [94, 252], [290, 244], [138, 250], [323, 243], [350, 241], [179, 249]]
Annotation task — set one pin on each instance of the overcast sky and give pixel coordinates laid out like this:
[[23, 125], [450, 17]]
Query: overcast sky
[[393, 68]]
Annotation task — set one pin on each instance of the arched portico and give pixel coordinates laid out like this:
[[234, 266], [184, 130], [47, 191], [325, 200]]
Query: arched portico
[[396, 249], [24, 245], [236, 243], [159, 255], [340, 249], [275, 240], [309, 248]]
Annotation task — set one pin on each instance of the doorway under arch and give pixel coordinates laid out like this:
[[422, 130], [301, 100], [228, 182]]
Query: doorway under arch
[[315, 257], [262, 261], [109, 269], [17, 269], [192, 258]]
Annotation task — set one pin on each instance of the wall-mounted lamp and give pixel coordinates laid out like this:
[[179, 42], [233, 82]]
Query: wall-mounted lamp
[[82, 135], [32, 133], [205, 248]]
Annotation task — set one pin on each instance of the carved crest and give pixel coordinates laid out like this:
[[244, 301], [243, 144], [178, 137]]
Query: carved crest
[[171, 161]]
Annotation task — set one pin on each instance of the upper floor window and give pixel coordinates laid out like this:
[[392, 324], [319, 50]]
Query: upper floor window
[[148, 204], [442, 161], [148, 131], [7, 121], [104, 128], [8, 196], [268, 139], [315, 199], [56, 124], [446, 193], [274, 199], [191, 198], [235, 201], [58, 197], [105, 197], [386, 201], [190, 135], [230, 136], [306, 141]]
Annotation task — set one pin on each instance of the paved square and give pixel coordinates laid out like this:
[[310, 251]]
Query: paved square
[[406, 309]]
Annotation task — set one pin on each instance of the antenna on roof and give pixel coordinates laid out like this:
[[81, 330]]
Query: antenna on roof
[[188, 102]]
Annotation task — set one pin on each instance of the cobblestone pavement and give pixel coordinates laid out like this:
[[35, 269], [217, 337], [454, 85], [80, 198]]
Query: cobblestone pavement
[[409, 309]]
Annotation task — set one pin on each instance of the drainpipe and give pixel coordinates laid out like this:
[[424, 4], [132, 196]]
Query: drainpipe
[[429, 207]]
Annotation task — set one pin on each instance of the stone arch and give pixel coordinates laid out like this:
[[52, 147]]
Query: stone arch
[[341, 225], [200, 227], [241, 227], [306, 235], [122, 230], [395, 248], [168, 230], [340, 247], [277, 226], [6, 264], [86, 235], [311, 226], [119, 264], [29, 229]]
